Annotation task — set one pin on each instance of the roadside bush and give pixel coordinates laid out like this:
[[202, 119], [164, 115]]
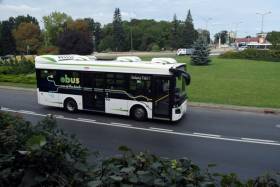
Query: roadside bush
[[15, 67], [254, 54], [40, 155]]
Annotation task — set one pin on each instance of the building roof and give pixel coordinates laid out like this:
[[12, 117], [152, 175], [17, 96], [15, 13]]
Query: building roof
[[84, 63], [247, 40]]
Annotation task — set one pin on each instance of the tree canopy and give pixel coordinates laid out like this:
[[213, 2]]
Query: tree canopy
[[274, 38], [55, 24], [27, 37]]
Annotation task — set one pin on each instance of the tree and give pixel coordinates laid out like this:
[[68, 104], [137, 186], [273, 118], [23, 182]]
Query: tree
[[55, 24], [174, 43], [95, 29], [223, 35], [27, 37], [7, 42], [274, 38], [75, 42], [25, 19], [118, 31], [205, 34], [79, 25], [189, 33], [201, 52]]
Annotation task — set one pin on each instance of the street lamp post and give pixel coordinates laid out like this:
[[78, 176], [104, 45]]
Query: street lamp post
[[262, 17], [236, 27]]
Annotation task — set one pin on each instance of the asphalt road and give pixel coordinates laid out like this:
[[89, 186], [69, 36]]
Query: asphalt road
[[241, 142]]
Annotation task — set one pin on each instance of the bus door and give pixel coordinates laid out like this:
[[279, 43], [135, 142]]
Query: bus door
[[93, 92], [161, 99]]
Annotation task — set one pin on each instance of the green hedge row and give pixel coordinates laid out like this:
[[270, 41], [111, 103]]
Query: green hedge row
[[13, 66], [43, 155], [254, 54]]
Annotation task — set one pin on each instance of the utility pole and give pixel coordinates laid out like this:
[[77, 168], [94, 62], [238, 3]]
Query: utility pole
[[262, 18], [206, 22], [236, 27]]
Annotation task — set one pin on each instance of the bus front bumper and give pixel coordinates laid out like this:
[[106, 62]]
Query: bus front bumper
[[178, 112]]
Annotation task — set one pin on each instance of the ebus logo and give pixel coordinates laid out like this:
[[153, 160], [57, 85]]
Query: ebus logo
[[69, 80]]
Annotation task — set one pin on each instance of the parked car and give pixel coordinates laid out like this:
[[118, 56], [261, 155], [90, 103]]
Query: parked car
[[184, 51], [242, 48]]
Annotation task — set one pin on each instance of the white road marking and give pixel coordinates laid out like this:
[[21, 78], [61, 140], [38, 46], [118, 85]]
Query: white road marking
[[58, 116], [198, 135], [259, 140], [277, 126], [160, 129], [204, 134], [4, 108], [121, 124], [26, 112], [85, 119]]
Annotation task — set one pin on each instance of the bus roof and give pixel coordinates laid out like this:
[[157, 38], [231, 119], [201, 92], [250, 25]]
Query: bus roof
[[84, 63]]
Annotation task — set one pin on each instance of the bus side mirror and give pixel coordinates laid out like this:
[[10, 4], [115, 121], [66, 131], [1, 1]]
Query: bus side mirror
[[187, 78]]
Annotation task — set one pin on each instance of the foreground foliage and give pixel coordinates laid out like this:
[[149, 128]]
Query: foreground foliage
[[43, 155]]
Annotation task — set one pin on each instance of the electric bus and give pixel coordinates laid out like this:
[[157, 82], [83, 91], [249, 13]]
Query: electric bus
[[128, 86]]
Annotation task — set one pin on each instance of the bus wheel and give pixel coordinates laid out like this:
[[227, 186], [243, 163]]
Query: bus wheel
[[139, 113], [70, 105]]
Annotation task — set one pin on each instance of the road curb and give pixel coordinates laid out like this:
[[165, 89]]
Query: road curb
[[235, 108], [194, 104]]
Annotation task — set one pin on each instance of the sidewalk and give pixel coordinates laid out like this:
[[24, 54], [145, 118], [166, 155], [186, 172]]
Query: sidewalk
[[275, 111]]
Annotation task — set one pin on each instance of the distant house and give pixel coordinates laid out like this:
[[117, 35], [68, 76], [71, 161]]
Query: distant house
[[258, 42]]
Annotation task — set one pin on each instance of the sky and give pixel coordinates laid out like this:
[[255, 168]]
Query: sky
[[235, 15]]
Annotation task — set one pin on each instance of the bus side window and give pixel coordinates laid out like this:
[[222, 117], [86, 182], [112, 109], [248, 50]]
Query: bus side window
[[140, 87]]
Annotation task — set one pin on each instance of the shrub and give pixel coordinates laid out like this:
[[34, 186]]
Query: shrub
[[40, 155], [144, 169], [254, 54], [13, 66], [154, 47]]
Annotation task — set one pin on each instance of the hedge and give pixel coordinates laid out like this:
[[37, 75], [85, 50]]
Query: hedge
[[254, 54], [44, 155]]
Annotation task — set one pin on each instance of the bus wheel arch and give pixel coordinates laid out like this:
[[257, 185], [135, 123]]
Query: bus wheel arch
[[138, 112], [70, 104]]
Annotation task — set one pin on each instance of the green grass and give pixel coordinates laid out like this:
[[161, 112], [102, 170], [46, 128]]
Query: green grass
[[225, 81], [235, 82], [20, 85], [23, 79]]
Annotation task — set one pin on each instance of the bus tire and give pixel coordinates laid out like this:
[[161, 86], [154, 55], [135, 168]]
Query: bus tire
[[70, 105], [138, 113]]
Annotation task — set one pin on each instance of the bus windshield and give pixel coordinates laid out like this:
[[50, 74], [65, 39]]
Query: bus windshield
[[180, 90]]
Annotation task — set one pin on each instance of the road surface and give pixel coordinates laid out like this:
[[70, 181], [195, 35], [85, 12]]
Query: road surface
[[241, 142]]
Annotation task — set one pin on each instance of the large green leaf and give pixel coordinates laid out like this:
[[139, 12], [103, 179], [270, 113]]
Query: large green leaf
[[36, 142]]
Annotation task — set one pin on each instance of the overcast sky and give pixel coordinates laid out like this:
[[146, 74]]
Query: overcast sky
[[225, 14]]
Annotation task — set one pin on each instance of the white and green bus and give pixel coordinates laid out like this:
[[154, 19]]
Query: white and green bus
[[153, 89]]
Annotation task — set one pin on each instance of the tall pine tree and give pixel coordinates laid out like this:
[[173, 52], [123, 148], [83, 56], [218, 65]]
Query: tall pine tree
[[118, 31], [189, 32], [174, 43], [201, 52]]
